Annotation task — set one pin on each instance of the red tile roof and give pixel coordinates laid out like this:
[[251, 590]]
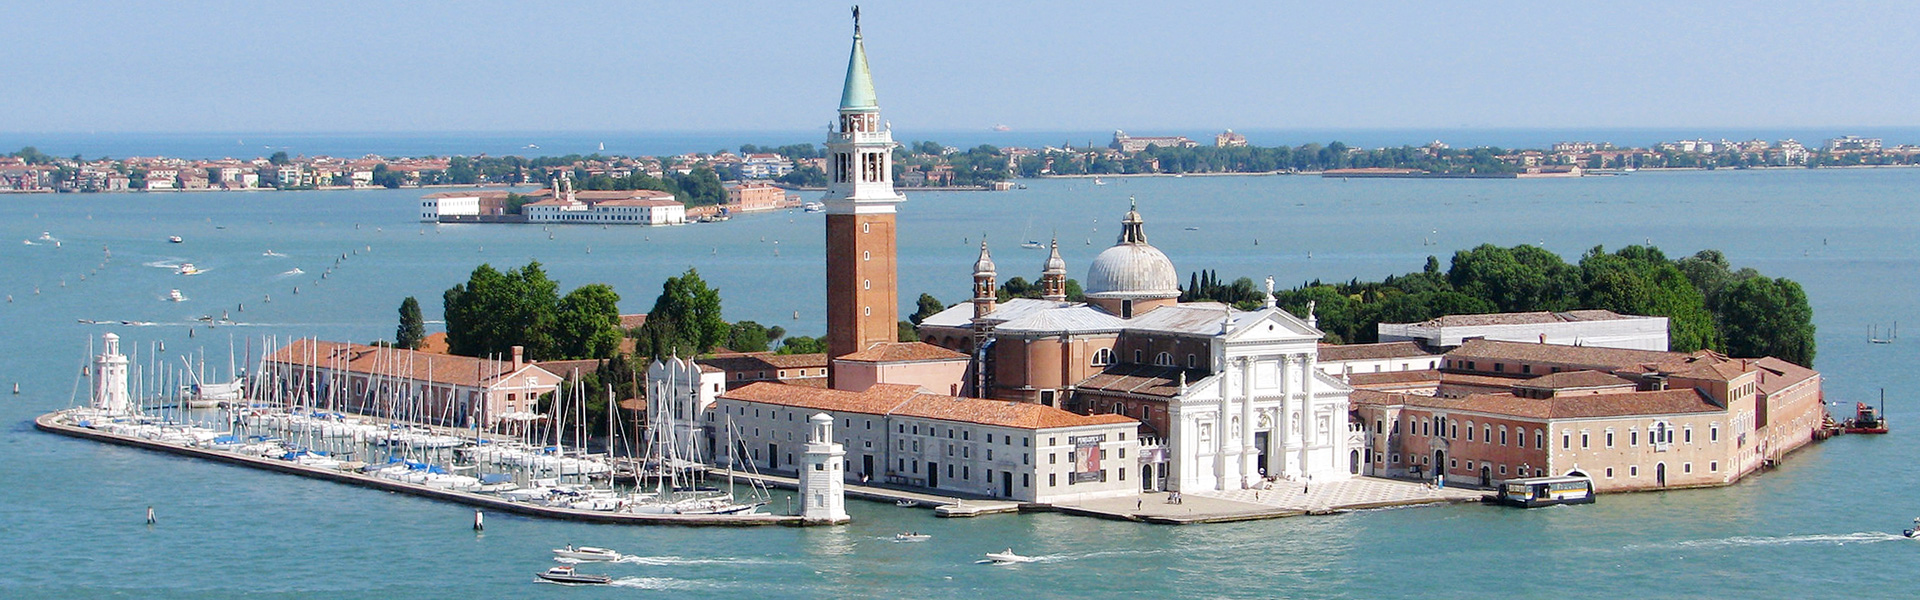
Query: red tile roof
[[907, 401], [903, 352], [1586, 356], [1573, 380], [1330, 352], [1626, 404], [394, 362]]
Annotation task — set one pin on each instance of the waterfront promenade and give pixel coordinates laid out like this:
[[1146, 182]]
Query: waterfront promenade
[[1285, 499]]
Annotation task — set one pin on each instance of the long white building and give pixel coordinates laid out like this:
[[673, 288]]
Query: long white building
[[1600, 328]]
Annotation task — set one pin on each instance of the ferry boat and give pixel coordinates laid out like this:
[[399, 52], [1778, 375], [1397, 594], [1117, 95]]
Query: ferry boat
[[565, 574], [1533, 492]]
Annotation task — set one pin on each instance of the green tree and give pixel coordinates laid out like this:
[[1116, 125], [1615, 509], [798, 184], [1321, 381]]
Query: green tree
[[279, 158], [748, 336], [588, 325], [801, 344], [689, 314], [927, 306], [1518, 279], [412, 327], [495, 311], [1761, 316]]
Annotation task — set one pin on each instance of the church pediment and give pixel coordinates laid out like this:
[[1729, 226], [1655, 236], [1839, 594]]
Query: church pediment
[[1271, 325]]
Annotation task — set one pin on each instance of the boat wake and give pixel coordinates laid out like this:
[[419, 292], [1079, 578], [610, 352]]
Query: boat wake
[[1841, 539], [273, 254], [662, 561], [292, 272], [653, 583], [171, 264]]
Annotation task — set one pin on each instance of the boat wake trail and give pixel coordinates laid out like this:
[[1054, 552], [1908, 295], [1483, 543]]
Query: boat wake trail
[[1841, 539], [164, 263], [291, 272], [653, 583], [662, 561]]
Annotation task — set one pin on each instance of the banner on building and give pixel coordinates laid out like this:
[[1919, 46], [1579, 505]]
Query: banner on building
[[1086, 458]]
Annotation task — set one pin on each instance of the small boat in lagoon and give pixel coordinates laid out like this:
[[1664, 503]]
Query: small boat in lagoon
[[912, 536], [1007, 557], [565, 574], [587, 553]]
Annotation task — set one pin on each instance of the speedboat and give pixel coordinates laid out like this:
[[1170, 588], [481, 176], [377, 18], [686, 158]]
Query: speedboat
[[1913, 533], [174, 296], [175, 239], [586, 553], [565, 574], [904, 503], [188, 269], [913, 536], [1007, 557]]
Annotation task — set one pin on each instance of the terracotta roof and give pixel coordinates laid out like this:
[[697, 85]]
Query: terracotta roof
[[903, 352], [1393, 378], [565, 368], [1573, 380], [765, 361], [633, 321], [1145, 380], [907, 401], [393, 362], [1776, 374], [1626, 404], [1587, 356], [1330, 352]]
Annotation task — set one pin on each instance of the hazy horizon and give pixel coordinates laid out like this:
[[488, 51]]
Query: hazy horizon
[[763, 65]]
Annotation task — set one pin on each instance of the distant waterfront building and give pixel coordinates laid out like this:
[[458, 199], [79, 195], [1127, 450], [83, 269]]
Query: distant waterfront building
[[765, 166], [616, 207], [449, 204], [1602, 328], [439, 389], [754, 196], [1126, 143], [1229, 139], [1853, 143], [1629, 419]]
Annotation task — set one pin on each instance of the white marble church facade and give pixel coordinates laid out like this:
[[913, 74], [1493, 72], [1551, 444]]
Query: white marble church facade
[[1267, 411]]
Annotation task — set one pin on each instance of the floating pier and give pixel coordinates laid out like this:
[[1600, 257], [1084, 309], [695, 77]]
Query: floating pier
[[55, 423]]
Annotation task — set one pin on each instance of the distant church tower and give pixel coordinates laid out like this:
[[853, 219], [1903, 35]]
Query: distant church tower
[[110, 377], [863, 304], [823, 493], [983, 286]]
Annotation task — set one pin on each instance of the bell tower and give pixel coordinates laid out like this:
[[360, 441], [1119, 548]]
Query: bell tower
[[863, 304]]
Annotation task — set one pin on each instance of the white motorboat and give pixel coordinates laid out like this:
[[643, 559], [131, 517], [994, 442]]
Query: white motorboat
[[174, 296], [1915, 532], [188, 269], [175, 239], [912, 536], [587, 553], [1007, 557], [565, 574]]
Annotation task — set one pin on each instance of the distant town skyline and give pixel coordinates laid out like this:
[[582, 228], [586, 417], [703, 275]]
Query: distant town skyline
[[219, 67]]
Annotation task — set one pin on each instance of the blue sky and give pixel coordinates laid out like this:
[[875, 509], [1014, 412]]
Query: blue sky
[[1144, 66]]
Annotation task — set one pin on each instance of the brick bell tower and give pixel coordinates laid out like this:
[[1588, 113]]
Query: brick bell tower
[[863, 304]]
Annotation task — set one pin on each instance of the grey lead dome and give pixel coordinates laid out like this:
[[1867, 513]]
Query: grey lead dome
[[1132, 269]]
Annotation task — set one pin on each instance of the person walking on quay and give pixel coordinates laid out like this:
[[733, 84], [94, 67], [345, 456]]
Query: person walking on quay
[[1440, 481]]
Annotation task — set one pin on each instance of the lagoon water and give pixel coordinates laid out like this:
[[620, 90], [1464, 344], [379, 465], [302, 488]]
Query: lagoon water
[[71, 518]]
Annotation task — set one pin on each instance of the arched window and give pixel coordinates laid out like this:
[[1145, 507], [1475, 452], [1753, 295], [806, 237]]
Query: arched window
[[1164, 359], [1469, 431], [1119, 409], [1102, 357]]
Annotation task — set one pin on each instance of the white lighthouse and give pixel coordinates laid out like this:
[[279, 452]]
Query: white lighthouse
[[823, 498], [110, 377]]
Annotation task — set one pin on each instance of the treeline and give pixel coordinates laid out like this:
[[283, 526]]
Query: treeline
[[1258, 159], [494, 311], [1708, 304]]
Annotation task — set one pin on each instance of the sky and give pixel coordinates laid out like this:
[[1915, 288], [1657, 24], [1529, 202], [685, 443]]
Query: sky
[[191, 66]]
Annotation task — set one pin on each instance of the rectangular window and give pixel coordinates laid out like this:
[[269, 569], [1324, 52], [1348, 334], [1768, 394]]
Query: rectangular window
[[1713, 466], [1583, 440], [1686, 467], [1023, 480], [1053, 480], [1123, 473], [1633, 471], [1053, 459], [1609, 472]]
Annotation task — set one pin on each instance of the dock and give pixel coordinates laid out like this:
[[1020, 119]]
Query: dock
[[50, 423], [942, 505]]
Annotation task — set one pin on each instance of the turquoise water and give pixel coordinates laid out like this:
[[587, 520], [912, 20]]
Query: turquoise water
[[71, 517]]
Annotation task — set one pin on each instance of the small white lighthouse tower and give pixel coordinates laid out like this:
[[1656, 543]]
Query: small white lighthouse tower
[[110, 377], [823, 489]]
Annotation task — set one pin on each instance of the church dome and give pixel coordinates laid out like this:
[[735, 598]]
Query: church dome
[[1132, 269]]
